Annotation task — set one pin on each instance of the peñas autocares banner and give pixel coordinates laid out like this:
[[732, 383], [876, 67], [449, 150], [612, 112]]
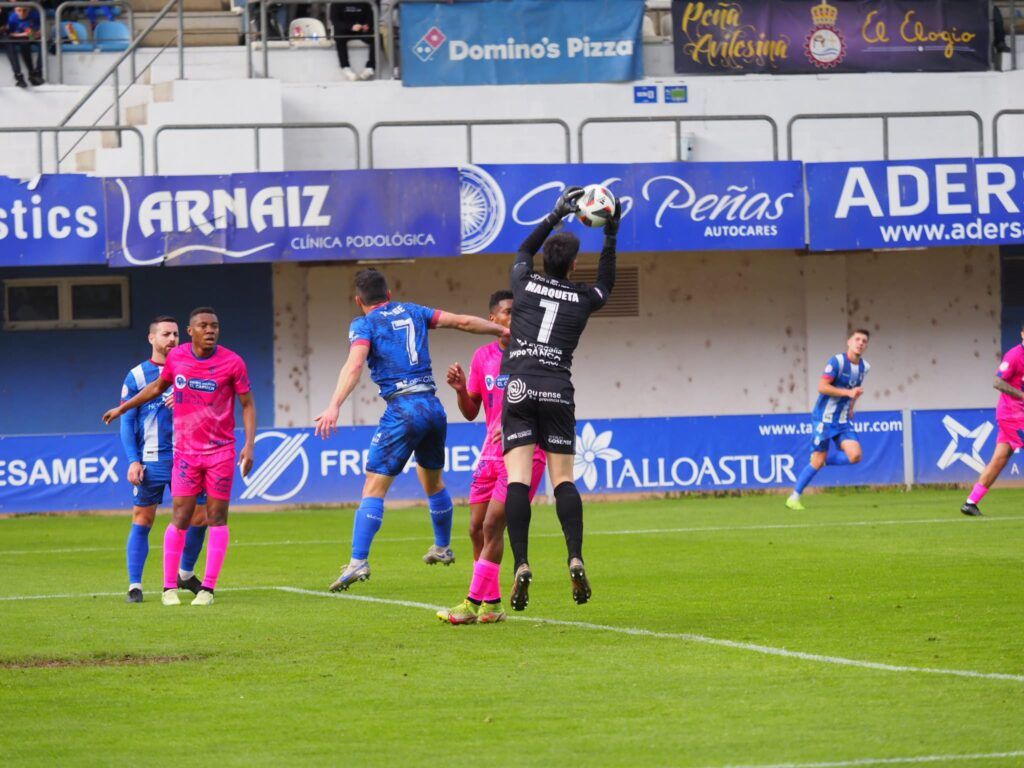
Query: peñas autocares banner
[[813, 36]]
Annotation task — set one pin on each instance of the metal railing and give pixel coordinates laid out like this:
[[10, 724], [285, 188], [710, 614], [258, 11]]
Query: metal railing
[[58, 41], [679, 120], [995, 127], [39, 131], [264, 37], [885, 117], [469, 125], [43, 37], [255, 127]]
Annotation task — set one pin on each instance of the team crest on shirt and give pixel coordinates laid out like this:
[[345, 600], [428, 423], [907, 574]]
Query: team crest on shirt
[[1004, 366], [124, 390], [179, 381], [489, 381]]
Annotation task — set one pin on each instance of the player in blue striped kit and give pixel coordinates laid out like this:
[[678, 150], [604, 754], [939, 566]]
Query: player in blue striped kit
[[147, 434], [839, 388]]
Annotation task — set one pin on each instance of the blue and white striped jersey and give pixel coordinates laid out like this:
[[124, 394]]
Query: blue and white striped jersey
[[842, 373], [147, 432]]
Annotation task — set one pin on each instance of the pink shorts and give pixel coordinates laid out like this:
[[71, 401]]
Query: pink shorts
[[490, 480], [210, 472], [1011, 433]]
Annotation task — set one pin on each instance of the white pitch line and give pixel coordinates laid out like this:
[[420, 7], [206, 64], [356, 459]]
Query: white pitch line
[[630, 532], [693, 638], [889, 760]]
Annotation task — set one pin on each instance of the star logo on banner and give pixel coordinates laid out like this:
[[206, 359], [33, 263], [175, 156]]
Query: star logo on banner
[[954, 452]]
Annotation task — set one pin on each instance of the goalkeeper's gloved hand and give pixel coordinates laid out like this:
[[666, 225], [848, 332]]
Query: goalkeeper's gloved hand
[[612, 227], [567, 202]]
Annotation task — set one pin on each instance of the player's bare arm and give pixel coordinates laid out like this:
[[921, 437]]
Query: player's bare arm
[[1008, 389], [471, 324], [150, 392], [469, 402], [351, 371], [245, 458]]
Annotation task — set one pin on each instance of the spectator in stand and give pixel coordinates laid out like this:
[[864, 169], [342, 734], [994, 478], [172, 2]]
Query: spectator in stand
[[21, 26], [354, 21], [99, 13]]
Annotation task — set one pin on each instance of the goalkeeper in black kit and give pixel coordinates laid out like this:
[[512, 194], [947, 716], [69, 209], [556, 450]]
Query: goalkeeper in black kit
[[549, 317]]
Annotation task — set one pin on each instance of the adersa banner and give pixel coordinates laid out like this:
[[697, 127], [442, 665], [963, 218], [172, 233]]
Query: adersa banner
[[915, 203], [666, 206], [301, 216], [807, 36], [496, 42]]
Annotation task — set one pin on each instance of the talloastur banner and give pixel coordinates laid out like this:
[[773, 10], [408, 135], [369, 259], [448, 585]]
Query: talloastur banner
[[807, 36], [88, 472], [501, 42], [666, 206], [300, 216], [915, 203], [51, 220]]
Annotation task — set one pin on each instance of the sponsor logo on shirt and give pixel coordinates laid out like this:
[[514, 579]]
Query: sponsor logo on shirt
[[1004, 366], [501, 381], [202, 385]]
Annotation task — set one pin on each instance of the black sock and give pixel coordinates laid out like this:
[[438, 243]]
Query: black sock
[[517, 516], [474, 602], [569, 507]]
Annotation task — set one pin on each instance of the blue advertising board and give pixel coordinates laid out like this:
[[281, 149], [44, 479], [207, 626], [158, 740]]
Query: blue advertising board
[[85, 472], [666, 206], [51, 220], [485, 42], [915, 203], [953, 446]]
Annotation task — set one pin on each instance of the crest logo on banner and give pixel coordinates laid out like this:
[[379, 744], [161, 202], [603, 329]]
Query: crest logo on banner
[[824, 44], [483, 208], [284, 471]]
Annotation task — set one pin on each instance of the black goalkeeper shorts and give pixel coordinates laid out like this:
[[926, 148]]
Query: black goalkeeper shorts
[[539, 411]]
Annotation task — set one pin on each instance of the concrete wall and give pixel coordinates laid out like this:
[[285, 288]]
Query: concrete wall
[[718, 333]]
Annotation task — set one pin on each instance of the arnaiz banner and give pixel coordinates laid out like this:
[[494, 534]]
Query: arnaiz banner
[[811, 36]]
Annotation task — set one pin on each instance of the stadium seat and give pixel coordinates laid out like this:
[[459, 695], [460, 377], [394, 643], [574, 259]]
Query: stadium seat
[[650, 33], [666, 25], [308, 33], [74, 36], [112, 36]]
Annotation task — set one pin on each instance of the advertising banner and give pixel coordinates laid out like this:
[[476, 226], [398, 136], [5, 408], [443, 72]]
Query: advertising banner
[[497, 42], [51, 221], [666, 206], [915, 203], [810, 36], [953, 446]]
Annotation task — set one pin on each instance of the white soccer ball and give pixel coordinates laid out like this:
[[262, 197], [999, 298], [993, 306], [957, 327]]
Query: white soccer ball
[[596, 206]]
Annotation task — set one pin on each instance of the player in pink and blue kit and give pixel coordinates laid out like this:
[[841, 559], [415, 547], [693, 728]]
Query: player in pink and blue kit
[[486, 386], [839, 388], [1009, 418], [206, 378]]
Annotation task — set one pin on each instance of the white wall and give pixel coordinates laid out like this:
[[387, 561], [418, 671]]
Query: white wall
[[719, 333]]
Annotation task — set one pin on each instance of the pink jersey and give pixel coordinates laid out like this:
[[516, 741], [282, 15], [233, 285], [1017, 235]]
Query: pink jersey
[[1011, 370], [204, 398]]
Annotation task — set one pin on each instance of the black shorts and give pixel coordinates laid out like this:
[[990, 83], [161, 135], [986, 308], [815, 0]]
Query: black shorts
[[539, 411]]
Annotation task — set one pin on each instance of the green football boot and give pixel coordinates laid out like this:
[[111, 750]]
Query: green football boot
[[463, 613]]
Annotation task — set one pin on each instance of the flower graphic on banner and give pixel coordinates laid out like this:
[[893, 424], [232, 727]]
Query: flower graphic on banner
[[591, 447]]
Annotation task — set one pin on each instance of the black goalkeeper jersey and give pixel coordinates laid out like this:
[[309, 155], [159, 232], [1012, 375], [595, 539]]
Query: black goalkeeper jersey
[[549, 314]]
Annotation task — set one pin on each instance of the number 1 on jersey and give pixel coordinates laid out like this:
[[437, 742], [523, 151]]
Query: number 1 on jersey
[[547, 324], [405, 324]]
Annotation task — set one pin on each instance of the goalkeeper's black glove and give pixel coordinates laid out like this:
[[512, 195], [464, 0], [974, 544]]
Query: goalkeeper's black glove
[[567, 202], [611, 229]]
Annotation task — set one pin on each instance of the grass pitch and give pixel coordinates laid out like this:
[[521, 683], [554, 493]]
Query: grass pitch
[[274, 677]]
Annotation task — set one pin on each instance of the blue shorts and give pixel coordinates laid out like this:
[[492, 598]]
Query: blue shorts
[[155, 479], [411, 424], [837, 433]]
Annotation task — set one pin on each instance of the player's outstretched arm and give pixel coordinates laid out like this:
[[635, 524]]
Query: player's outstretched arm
[[1008, 389], [327, 422], [151, 391], [245, 459], [606, 264], [470, 324], [469, 402]]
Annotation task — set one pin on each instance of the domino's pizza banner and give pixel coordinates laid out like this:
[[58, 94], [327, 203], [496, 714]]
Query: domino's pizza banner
[[499, 42], [665, 206], [87, 472], [953, 446], [915, 203]]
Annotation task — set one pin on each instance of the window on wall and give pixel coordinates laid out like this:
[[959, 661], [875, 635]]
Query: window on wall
[[42, 304]]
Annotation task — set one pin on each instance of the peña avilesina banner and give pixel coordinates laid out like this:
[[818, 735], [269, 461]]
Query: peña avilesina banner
[[813, 36]]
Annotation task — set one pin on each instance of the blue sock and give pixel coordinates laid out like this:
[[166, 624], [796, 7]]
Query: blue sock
[[838, 459], [441, 517], [369, 517], [193, 546], [805, 478], [138, 551]]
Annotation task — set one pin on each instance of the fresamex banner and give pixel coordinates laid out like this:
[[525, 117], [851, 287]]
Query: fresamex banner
[[806, 36], [953, 446], [51, 220], [85, 472], [915, 203], [666, 206], [483, 42]]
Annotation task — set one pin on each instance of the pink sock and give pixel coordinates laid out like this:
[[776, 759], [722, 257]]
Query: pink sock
[[174, 545], [977, 494], [493, 593], [216, 548], [484, 574]]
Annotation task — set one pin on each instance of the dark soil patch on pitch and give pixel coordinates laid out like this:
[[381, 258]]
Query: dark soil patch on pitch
[[128, 660]]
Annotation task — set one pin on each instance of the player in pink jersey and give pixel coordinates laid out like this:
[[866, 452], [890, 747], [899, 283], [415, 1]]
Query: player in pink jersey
[[486, 386], [1009, 418], [206, 378]]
